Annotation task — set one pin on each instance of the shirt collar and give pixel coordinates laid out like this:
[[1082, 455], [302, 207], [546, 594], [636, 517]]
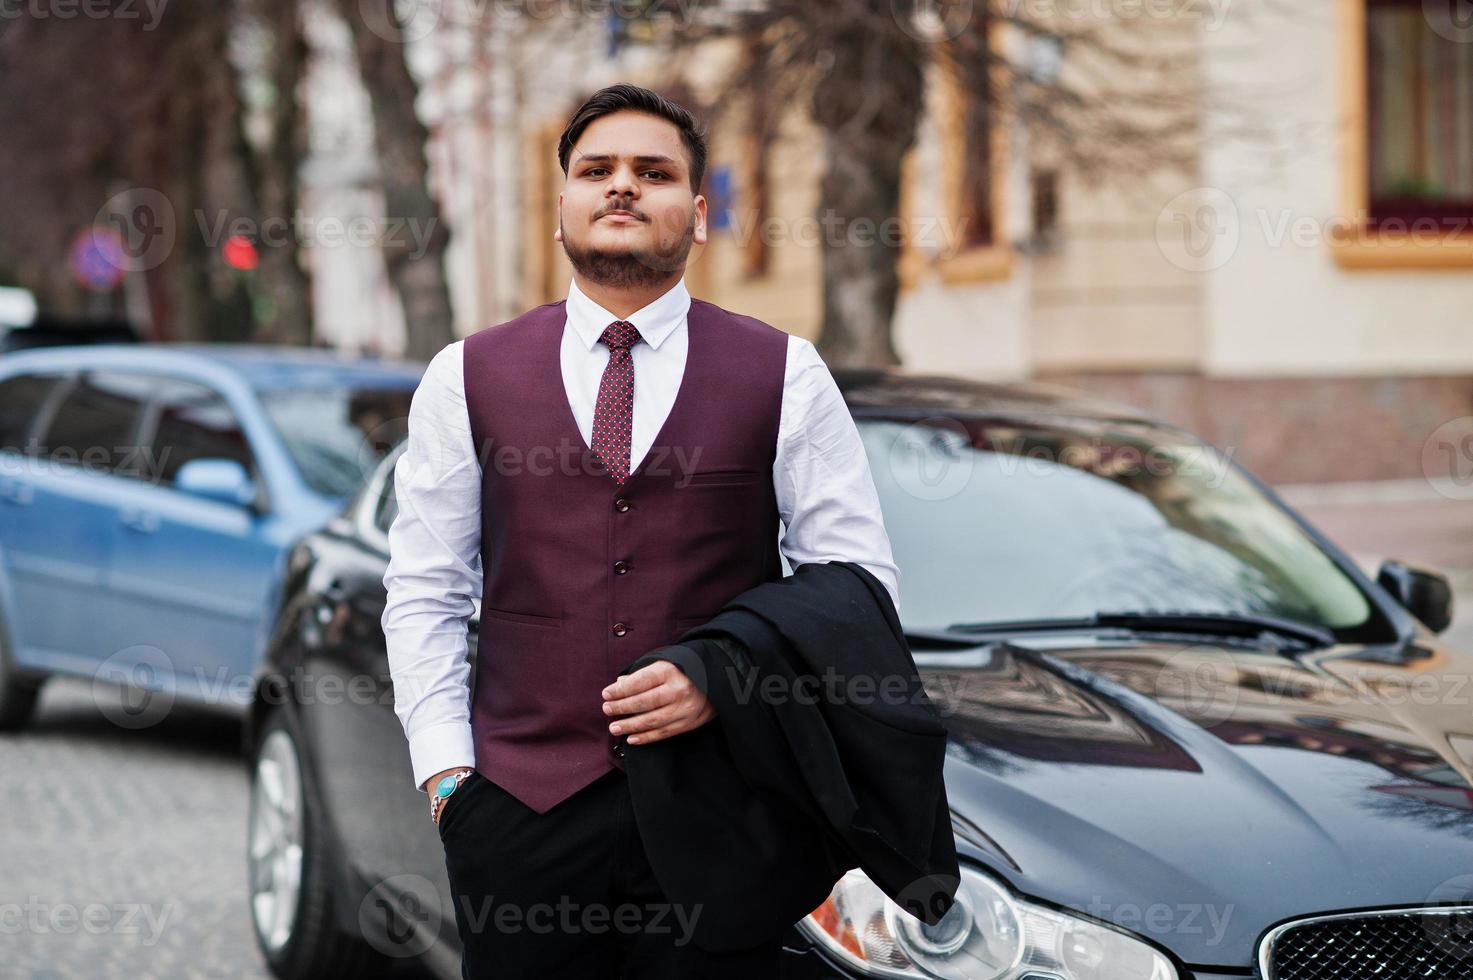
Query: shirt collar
[[655, 321]]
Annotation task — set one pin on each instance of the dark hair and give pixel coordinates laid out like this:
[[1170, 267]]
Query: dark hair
[[624, 96]]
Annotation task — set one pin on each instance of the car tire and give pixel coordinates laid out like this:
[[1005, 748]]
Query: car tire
[[294, 923], [19, 690]]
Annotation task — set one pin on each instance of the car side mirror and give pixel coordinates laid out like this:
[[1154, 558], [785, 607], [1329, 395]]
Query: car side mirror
[[1426, 595], [218, 479]]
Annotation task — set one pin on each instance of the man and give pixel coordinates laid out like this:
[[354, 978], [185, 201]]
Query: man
[[605, 472]]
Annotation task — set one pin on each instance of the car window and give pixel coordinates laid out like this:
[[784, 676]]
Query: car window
[[1000, 521], [337, 435], [95, 422], [192, 421], [387, 505], [21, 397]]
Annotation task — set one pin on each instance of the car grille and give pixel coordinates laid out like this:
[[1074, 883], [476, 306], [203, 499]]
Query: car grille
[[1404, 944]]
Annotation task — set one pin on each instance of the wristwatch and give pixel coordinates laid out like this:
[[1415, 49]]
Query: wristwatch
[[443, 789]]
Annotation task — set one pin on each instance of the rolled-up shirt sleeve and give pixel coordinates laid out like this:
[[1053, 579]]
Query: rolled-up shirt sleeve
[[434, 573], [826, 494]]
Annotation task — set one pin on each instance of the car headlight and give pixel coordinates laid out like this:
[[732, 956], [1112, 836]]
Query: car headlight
[[988, 934]]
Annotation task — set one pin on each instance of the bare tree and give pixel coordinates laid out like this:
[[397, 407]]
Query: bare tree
[[157, 121], [400, 137], [276, 52], [1095, 94]]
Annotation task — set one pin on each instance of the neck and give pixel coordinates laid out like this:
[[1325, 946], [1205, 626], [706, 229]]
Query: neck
[[624, 300]]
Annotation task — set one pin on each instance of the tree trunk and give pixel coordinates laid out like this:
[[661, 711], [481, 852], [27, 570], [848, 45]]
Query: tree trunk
[[284, 288], [866, 104], [415, 236]]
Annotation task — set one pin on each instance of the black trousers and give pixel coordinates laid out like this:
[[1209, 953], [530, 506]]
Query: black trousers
[[569, 893]]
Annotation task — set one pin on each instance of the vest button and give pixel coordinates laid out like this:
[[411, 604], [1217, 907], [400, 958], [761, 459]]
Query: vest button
[[620, 629], [621, 504], [618, 749], [620, 567]]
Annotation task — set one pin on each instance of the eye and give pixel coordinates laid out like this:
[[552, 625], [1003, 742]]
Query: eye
[[657, 173], [593, 170]]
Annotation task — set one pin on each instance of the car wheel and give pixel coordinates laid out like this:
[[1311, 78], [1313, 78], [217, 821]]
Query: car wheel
[[18, 690], [290, 875]]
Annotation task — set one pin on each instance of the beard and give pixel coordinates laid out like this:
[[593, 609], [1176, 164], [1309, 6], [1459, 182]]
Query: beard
[[629, 266]]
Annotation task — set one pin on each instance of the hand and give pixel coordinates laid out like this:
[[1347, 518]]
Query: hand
[[659, 700]]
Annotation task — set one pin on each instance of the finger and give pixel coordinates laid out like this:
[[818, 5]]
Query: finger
[[683, 698], [649, 676], [647, 721], [655, 735], [678, 720], [668, 692], [647, 701]]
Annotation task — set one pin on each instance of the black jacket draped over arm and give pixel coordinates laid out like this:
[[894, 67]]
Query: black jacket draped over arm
[[825, 755]]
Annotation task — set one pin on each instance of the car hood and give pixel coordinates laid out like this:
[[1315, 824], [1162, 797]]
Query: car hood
[[1197, 794]]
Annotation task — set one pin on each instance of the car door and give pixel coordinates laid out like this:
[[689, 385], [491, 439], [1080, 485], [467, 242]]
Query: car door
[[362, 763], [22, 539], [61, 502], [197, 573]]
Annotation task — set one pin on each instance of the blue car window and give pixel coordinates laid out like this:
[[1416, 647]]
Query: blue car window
[[21, 398], [337, 435], [191, 421], [94, 425]]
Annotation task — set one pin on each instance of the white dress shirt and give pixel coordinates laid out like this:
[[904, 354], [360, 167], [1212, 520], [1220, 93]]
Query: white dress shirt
[[821, 477]]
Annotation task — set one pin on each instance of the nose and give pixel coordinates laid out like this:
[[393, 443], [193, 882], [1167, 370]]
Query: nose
[[623, 184]]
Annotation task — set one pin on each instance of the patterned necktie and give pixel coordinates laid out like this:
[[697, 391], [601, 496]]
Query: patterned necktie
[[613, 414]]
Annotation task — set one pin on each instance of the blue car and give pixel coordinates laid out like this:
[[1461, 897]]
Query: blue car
[[149, 495]]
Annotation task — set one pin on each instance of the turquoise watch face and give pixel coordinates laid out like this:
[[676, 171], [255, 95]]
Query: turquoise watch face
[[445, 786]]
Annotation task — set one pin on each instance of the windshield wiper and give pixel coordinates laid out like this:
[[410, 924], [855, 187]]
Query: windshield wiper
[[940, 640], [1271, 630]]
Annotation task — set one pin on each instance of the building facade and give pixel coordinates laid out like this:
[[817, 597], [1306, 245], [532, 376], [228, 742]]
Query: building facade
[[1299, 291]]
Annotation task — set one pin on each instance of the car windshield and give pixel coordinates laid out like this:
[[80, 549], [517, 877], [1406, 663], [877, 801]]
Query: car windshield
[[336, 435], [1005, 522]]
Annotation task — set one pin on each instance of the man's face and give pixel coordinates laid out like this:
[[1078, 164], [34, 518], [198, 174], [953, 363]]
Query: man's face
[[627, 215]]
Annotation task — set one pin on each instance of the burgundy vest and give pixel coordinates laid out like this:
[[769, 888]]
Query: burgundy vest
[[582, 575]]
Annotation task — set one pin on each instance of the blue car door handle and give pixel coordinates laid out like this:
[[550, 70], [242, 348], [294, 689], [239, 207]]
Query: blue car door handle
[[139, 520], [16, 492]]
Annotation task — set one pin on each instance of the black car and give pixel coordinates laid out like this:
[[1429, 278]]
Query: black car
[[56, 330], [1188, 737]]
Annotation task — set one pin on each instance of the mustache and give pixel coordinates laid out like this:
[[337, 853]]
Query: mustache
[[621, 207]]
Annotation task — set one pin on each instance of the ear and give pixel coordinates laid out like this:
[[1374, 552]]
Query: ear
[[557, 232], [698, 236]]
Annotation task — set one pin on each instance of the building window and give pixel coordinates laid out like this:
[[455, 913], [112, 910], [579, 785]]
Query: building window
[[757, 190], [973, 155], [1406, 146], [975, 138], [1419, 119]]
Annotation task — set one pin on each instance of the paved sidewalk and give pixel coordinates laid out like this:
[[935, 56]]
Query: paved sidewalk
[[124, 851]]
